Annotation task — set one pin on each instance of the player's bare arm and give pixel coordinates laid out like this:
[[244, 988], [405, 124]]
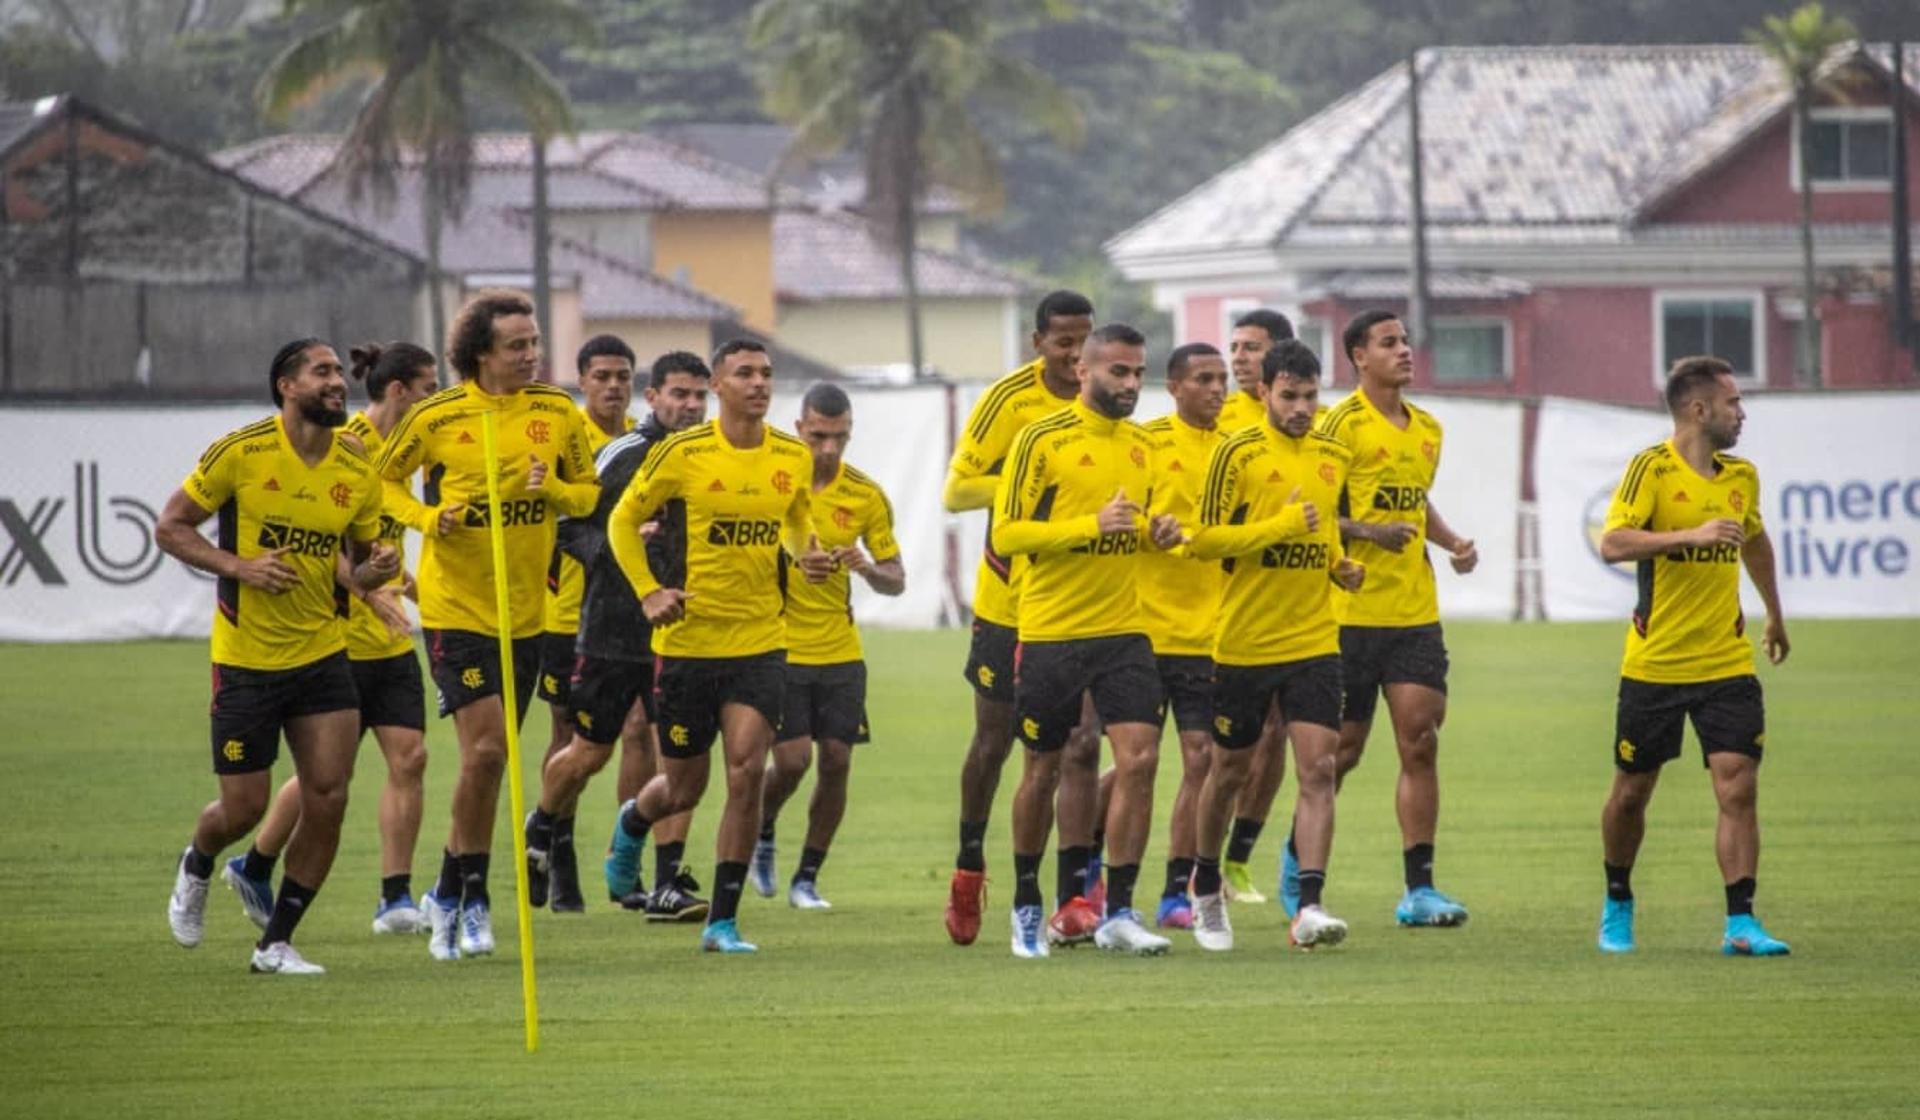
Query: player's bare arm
[[1756, 552], [178, 535], [1461, 551], [1625, 546]]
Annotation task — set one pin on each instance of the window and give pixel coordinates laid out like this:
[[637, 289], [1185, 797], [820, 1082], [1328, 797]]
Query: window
[[1849, 149], [1725, 325], [1230, 310], [1313, 335], [1467, 351]]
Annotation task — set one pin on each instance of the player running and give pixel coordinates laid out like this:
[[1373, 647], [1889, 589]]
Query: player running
[[1687, 515], [289, 493], [826, 694]]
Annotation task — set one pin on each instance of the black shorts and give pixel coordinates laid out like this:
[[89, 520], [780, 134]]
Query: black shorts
[[990, 668], [392, 692], [1186, 686], [1305, 691], [825, 702], [251, 706], [602, 693], [1051, 677], [1373, 657], [558, 663], [689, 692], [1728, 715], [466, 667]]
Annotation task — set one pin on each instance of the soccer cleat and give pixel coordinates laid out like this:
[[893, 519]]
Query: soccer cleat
[[476, 929], [187, 909], [564, 897], [724, 937], [1314, 927], [1074, 923], [804, 894], [1616, 926], [283, 959], [1424, 906], [1175, 913], [1289, 885], [1746, 937], [1028, 942], [1239, 882], [677, 900], [256, 895], [1123, 933], [760, 871], [539, 869], [1096, 887], [443, 920], [622, 867], [966, 894], [398, 916], [1211, 929]]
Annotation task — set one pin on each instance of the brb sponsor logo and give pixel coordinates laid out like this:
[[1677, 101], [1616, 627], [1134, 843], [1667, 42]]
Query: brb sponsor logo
[[113, 539]]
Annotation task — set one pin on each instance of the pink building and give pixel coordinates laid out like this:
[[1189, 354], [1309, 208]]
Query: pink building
[[1593, 213]]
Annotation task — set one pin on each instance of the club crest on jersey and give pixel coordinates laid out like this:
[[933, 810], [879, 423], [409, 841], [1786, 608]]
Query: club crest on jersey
[[843, 517], [1086, 460], [1138, 456], [539, 431], [782, 483], [1738, 501], [342, 494], [1328, 474], [1429, 450]]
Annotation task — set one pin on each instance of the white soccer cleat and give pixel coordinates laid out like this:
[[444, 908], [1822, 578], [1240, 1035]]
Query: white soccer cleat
[[1211, 929], [1123, 933], [1315, 927], [283, 959], [187, 909], [804, 895], [398, 916], [476, 930], [1029, 934], [443, 919]]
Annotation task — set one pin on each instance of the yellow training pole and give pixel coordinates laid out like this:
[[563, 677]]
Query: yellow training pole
[[509, 699]]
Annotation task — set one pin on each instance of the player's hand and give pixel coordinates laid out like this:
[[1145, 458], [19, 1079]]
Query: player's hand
[[1721, 530], [815, 563], [409, 587], [1166, 532], [1465, 556], [1311, 511], [665, 607], [853, 559], [536, 473], [1120, 514], [649, 529], [1775, 641], [1349, 573], [384, 602], [267, 572], [450, 517], [1394, 536], [381, 565]]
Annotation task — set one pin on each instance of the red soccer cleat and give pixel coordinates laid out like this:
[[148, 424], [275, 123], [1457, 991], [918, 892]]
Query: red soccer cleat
[[966, 895], [1073, 923]]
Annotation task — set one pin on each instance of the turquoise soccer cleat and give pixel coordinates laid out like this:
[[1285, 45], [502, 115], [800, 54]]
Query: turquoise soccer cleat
[[1425, 906], [1746, 937], [724, 937], [1616, 926]]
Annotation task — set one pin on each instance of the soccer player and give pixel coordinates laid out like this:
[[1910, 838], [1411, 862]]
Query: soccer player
[[1390, 638], [1687, 514], [605, 365], [612, 689], [386, 674], [1269, 510], [1041, 387], [543, 470], [289, 492], [721, 639], [1254, 333], [1071, 500], [826, 694], [1180, 596]]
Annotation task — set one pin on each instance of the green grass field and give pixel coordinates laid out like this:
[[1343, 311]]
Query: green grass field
[[869, 1011]]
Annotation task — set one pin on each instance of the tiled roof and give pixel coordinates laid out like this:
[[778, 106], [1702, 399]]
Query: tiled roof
[[836, 256], [17, 118], [1550, 141], [1440, 285]]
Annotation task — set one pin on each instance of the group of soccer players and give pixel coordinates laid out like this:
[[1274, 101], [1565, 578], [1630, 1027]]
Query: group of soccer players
[[1252, 564]]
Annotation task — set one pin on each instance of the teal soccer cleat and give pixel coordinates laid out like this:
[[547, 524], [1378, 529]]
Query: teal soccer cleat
[[1425, 906], [1616, 926], [724, 937], [1746, 937]]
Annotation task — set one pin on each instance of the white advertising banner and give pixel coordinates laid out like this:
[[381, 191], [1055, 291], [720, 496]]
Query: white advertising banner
[[81, 489], [1839, 490]]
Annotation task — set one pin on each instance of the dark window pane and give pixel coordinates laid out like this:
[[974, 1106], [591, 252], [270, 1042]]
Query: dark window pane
[[1828, 142], [1869, 150], [1465, 352], [1686, 330], [1730, 334]]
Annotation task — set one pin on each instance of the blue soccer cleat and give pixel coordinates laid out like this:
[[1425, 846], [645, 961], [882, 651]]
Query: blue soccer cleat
[[443, 926], [724, 937], [1176, 912], [1029, 932], [622, 866], [1616, 926], [399, 916], [1746, 937], [760, 870], [1424, 906], [1289, 885], [256, 895]]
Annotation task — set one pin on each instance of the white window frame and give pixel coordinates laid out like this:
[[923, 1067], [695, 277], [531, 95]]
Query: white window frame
[[1329, 361], [1753, 297], [1883, 114], [1506, 345], [1232, 308]]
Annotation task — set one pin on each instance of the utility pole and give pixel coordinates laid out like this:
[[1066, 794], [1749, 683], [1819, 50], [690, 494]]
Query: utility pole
[[1902, 319], [1417, 320]]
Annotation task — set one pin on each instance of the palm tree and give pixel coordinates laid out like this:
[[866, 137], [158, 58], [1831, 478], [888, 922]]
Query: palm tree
[[424, 60], [1799, 45], [901, 80]]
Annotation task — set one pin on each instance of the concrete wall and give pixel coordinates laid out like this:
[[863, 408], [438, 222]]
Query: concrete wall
[[967, 339], [729, 256], [650, 338]]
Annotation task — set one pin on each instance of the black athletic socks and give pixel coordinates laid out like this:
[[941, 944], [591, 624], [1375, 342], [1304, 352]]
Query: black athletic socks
[[473, 877], [729, 879], [632, 823], [288, 909], [1240, 842], [447, 889], [1179, 871], [1740, 897], [1206, 877], [258, 866], [393, 888], [540, 830], [1070, 872], [1619, 882], [1312, 884], [973, 852], [810, 861], [1120, 880], [766, 832], [666, 860], [1026, 880], [1419, 866], [198, 865]]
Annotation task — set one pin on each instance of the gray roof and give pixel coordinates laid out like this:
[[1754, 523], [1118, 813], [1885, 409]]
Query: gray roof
[[838, 256], [17, 118], [1393, 284], [1540, 141]]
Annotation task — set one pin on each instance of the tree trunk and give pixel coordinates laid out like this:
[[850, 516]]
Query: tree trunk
[[436, 298], [1809, 342], [542, 256]]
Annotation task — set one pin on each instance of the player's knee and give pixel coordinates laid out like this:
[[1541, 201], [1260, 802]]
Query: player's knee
[[407, 767], [1318, 775], [1420, 748], [245, 806], [834, 765]]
